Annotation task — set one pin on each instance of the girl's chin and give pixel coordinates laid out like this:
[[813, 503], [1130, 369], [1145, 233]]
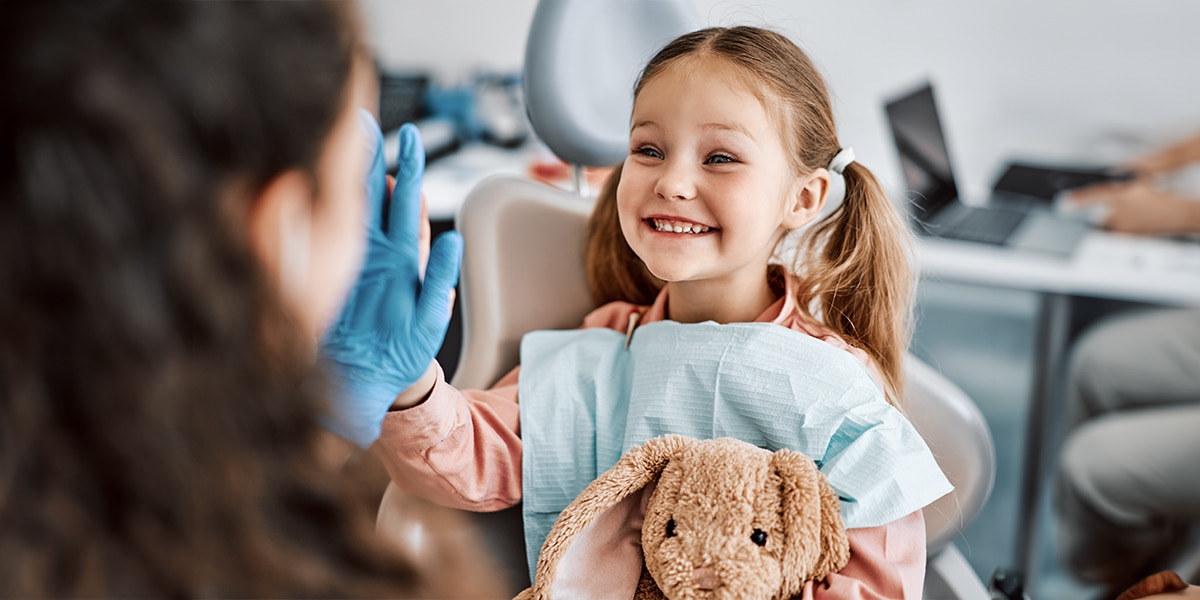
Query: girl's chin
[[670, 275]]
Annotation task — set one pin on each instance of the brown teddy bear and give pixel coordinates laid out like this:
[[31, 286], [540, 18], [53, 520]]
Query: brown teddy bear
[[714, 518]]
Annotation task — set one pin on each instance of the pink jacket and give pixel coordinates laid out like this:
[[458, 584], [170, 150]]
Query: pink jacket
[[463, 449]]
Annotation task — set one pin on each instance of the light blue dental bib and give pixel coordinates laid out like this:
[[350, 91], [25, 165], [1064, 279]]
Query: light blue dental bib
[[585, 399]]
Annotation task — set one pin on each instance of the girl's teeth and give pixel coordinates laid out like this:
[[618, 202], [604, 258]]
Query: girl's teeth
[[669, 227]]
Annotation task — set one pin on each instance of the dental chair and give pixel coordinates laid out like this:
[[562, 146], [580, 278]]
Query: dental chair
[[523, 271]]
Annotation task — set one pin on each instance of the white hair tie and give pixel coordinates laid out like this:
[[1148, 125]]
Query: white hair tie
[[841, 160]]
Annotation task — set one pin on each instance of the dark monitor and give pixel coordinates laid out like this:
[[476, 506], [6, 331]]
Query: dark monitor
[[924, 158]]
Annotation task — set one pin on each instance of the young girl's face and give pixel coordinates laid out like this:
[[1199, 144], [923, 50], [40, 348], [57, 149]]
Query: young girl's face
[[707, 190]]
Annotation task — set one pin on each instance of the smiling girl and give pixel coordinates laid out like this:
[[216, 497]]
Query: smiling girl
[[733, 148]]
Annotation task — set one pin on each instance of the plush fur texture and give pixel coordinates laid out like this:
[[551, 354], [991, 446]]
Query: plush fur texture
[[1159, 583], [717, 518]]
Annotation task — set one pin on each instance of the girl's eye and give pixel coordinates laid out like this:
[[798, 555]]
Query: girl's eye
[[648, 151], [719, 159]]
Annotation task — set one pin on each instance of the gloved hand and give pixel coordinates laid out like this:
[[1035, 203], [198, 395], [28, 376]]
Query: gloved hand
[[393, 323]]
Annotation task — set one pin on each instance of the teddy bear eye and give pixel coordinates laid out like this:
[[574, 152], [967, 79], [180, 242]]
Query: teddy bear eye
[[759, 537], [670, 527]]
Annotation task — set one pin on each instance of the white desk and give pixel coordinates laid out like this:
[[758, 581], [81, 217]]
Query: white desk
[[1105, 265]]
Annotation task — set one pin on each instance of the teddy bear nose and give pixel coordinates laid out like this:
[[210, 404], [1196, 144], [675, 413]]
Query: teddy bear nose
[[704, 579]]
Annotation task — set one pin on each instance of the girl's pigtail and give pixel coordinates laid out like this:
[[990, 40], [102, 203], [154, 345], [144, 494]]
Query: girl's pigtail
[[857, 274]]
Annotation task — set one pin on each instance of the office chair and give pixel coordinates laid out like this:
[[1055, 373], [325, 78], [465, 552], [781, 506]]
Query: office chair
[[523, 270]]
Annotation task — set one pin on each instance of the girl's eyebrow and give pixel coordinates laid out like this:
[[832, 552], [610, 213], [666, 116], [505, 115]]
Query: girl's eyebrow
[[734, 127]]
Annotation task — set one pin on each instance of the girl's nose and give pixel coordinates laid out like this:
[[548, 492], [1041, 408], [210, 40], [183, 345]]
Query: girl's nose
[[676, 182]]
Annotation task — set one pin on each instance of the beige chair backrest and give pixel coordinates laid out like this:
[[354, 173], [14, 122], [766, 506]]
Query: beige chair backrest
[[522, 270], [961, 443]]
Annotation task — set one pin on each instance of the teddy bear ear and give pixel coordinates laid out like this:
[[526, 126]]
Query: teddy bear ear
[[812, 521], [594, 549], [835, 545]]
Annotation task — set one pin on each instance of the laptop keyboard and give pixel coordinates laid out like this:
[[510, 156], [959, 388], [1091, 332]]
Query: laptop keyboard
[[987, 225]]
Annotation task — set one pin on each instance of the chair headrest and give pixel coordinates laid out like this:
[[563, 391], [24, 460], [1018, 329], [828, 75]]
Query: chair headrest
[[582, 59]]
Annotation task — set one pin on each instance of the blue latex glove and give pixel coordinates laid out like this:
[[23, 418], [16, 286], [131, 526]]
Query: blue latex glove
[[393, 323]]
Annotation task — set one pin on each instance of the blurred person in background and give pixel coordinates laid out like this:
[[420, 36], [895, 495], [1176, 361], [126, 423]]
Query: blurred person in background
[[181, 217], [1127, 496], [1143, 205]]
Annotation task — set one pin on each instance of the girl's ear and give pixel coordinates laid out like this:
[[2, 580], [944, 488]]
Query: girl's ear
[[807, 198]]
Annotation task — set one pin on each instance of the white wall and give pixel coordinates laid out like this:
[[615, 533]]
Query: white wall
[[451, 37], [1091, 80]]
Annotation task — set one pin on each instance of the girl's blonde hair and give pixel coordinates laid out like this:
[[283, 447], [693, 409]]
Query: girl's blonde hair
[[851, 271]]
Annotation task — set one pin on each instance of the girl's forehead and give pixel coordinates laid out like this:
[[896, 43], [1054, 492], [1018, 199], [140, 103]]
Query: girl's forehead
[[705, 79], [706, 72], [708, 67]]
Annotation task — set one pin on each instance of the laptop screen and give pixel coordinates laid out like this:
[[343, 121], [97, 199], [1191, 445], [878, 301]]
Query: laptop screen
[[923, 155]]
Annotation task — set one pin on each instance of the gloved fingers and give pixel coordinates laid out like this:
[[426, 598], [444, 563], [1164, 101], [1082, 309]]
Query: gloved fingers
[[383, 289], [376, 177], [361, 293], [423, 238], [404, 224], [434, 305]]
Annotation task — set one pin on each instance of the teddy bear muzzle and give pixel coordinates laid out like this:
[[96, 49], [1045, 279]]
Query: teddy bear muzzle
[[704, 579]]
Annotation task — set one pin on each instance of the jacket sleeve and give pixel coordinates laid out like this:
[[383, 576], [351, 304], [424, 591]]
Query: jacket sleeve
[[885, 562], [457, 448], [462, 448]]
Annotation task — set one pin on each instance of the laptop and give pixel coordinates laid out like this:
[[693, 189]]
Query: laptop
[[1021, 218]]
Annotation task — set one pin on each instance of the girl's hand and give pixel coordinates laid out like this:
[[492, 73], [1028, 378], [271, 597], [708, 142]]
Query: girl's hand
[[395, 319]]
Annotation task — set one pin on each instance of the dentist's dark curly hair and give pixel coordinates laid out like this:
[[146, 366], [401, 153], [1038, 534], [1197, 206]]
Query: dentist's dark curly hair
[[158, 407]]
